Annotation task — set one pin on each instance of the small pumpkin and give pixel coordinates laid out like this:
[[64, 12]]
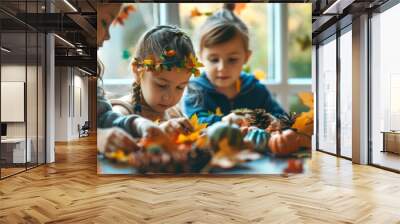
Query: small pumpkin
[[221, 130], [287, 141], [259, 138]]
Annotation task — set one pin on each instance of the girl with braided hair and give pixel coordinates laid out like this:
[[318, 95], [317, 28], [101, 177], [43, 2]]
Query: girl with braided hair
[[114, 130], [162, 65]]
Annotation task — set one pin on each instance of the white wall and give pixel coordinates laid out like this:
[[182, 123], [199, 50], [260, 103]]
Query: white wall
[[61, 103], [16, 73], [71, 103]]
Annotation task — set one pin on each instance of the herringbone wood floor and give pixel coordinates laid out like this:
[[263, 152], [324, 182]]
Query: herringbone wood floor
[[70, 191]]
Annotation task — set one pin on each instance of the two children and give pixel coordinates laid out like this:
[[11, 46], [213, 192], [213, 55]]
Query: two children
[[164, 62]]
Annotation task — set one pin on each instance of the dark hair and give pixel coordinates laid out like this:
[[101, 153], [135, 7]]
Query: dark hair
[[222, 26]]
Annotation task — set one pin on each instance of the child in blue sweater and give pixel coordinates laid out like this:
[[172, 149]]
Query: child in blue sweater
[[224, 49]]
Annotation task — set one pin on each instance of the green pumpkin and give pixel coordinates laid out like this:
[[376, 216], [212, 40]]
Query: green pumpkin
[[221, 130], [259, 138]]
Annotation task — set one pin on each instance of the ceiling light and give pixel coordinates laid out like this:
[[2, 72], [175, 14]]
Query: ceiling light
[[337, 7], [5, 49], [70, 5], [84, 71], [65, 41]]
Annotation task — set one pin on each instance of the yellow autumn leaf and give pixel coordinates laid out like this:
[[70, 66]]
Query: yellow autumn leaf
[[225, 157], [182, 138], [194, 121], [260, 74], [307, 99], [225, 150], [118, 155], [148, 62], [305, 122], [218, 112]]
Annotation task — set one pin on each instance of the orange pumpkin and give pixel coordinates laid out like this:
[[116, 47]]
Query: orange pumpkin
[[287, 141]]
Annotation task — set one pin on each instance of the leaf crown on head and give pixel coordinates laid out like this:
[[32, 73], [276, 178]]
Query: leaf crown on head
[[168, 60]]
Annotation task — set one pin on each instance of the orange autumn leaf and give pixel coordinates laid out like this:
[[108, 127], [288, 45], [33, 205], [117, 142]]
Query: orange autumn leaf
[[305, 123], [238, 85], [195, 12], [239, 7], [202, 141], [129, 9], [170, 53], [307, 99], [124, 14]]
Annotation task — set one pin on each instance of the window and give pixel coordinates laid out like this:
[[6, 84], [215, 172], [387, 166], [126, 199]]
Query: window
[[346, 93], [327, 95], [299, 41], [385, 87], [22, 61], [289, 67]]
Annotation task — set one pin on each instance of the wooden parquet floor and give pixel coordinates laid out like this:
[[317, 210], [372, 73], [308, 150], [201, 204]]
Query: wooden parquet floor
[[70, 191]]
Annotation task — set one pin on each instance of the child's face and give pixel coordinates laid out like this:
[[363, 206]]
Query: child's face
[[224, 62], [163, 90]]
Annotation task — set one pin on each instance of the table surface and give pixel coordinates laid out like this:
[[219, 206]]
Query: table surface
[[264, 165]]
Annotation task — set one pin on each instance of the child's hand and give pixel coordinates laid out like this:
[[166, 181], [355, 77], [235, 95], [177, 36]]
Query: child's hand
[[177, 126], [236, 119], [113, 139], [274, 126], [152, 132]]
